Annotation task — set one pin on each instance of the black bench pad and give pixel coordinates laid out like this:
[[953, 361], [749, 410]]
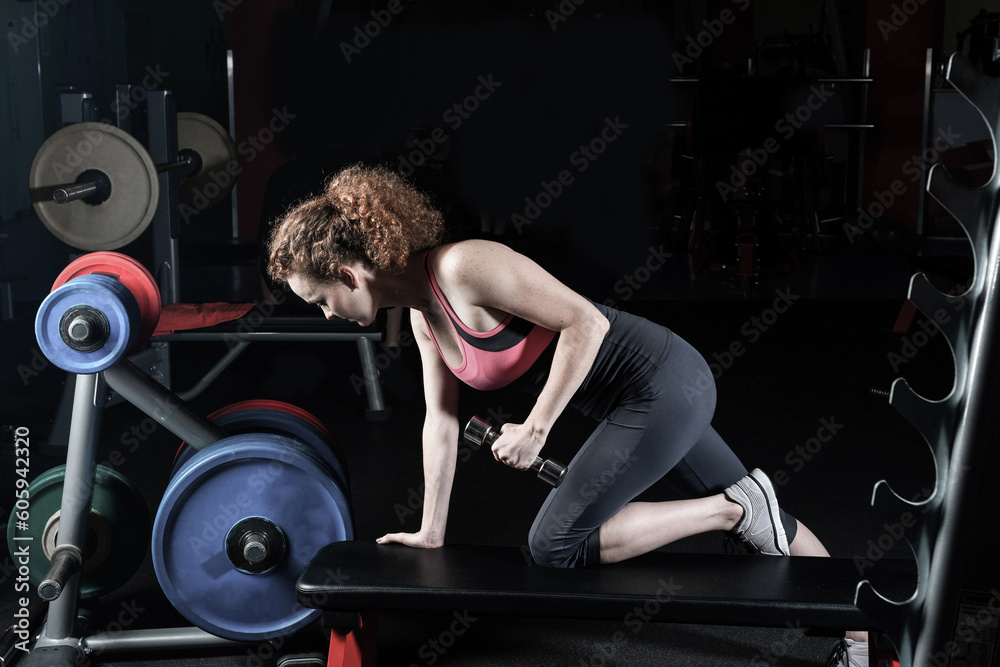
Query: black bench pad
[[713, 589]]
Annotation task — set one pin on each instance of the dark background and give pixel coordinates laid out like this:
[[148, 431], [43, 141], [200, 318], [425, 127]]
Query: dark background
[[620, 232]]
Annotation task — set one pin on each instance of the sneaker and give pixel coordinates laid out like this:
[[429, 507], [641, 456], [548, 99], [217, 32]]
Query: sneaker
[[848, 653], [760, 529]]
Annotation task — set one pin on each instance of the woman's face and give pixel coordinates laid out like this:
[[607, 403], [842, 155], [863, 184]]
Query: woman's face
[[346, 297]]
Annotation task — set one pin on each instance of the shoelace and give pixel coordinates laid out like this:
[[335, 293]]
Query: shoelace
[[732, 544], [838, 655]]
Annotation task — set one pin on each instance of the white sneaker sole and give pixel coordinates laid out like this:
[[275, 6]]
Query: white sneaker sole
[[764, 484]]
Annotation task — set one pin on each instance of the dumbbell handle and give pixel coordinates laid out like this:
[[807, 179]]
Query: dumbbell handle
[[479, 432]]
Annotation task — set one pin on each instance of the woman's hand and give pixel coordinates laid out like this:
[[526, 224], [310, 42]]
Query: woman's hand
[[419, 540], [518, 445]]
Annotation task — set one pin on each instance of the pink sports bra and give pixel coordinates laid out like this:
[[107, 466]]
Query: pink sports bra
[[496, 358]]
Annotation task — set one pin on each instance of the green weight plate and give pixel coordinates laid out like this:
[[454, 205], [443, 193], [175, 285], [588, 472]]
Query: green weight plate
[[117, 529]]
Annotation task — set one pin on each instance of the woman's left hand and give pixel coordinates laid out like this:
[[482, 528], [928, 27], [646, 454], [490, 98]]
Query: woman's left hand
[[518, 445]]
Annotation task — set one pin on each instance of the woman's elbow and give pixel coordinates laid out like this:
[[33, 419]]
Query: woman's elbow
[[596, 323]]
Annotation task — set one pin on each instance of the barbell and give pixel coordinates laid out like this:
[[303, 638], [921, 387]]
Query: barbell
[[241, 517], [95, 187], [102, 306]]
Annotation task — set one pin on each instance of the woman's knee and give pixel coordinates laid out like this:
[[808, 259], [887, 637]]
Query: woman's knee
[[546, 553], [562, 551]]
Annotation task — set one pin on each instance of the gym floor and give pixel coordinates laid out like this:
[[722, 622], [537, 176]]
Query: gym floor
[[810, 367]]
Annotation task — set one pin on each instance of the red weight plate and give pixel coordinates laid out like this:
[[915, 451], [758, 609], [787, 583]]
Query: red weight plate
[[130, 273], [281, 406]]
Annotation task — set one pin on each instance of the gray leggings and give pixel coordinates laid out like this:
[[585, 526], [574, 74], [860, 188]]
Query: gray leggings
[[664, 426]]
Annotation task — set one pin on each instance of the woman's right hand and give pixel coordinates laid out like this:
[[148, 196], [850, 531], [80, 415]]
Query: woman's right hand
[[419, 540]]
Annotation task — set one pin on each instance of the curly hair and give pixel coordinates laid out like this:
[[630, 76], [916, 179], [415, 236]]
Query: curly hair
[[364, 214]]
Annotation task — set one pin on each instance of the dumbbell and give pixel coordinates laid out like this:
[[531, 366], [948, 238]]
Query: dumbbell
[[479, 432]]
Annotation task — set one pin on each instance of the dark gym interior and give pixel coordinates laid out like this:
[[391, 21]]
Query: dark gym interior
[[749, 173]]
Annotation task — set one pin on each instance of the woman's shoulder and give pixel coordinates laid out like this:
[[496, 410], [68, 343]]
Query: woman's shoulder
[[458, 259]]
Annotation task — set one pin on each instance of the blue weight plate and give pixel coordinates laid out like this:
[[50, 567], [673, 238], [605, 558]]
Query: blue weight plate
[[262, 420], [242, 476], [105, 294]]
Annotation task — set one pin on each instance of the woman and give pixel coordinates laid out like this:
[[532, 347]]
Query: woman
[[487, 316]]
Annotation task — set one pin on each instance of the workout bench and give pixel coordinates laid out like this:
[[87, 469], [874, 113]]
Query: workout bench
[[251, 327], [351, 581]]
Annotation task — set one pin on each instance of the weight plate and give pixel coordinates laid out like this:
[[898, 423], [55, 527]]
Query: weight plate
[[246, 476], [219, 160], [94, 293], [130, 273], [270, 404], [117, 530], [278, 417], [135, 186]]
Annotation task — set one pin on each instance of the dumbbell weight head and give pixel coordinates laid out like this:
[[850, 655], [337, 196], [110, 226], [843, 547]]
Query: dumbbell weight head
[[549, 471], [479, 432]]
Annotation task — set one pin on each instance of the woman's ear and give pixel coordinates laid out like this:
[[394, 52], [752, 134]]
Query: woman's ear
[[349, 276]]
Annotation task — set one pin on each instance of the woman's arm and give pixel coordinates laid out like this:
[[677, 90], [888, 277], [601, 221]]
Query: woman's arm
[[440, 443], [492, 276]]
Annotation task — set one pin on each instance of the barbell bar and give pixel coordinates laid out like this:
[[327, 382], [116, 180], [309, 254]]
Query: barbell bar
[[95, 187]]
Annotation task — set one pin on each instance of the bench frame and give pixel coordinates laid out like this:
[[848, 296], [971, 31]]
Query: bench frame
[[351, 581]]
